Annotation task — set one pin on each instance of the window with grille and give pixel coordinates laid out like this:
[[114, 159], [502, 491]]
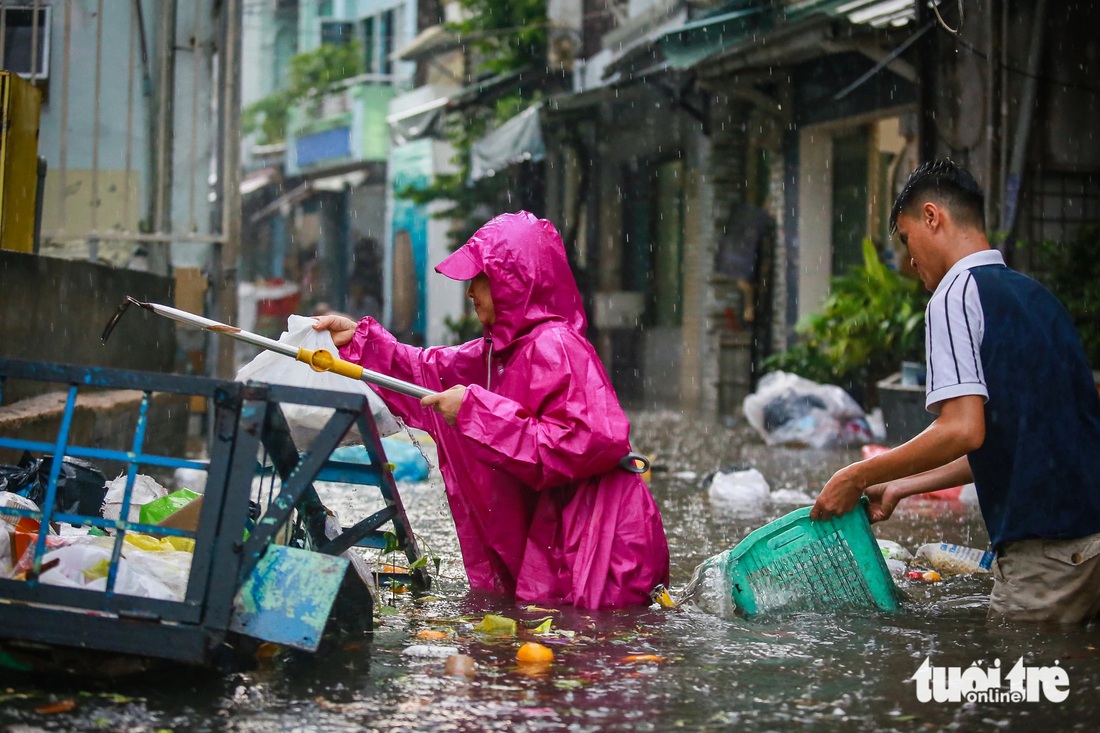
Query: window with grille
[[25, 36], [379, 39], [336, 34], [1059, 205]]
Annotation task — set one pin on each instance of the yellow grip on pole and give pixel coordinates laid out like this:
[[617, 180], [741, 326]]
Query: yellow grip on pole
[[321, 360]]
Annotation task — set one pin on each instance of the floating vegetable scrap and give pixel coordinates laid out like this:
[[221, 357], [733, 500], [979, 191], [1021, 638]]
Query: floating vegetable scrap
[[61, 706], [496, 626]]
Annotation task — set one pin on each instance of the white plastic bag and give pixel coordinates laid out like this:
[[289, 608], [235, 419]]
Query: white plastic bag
[[86, 564], [145, 490], [307, 420], [893, 551], [786, 408], [744, 487], [7, 551], [15, 501], [171, 568]]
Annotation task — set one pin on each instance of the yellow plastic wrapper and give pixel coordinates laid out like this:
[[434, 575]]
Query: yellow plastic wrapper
[[662, 597], [496, 625], [160, 544]]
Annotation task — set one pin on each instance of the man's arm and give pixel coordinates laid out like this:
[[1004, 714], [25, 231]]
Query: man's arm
[[885, 497], [959, 429]]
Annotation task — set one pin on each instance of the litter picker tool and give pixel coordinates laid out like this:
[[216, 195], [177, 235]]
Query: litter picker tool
[[318, 359]]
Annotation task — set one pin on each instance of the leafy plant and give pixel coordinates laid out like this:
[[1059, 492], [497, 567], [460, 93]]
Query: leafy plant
[[390, 554], [312, 74], [507, 36], [872, 320], [1072, 272]]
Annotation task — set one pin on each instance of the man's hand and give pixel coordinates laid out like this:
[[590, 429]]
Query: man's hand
[[446, 403], [839, 495], [342, 328], [884, 500]]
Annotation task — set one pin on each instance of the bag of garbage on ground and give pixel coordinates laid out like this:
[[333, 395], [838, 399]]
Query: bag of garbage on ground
[[306, 421], [789, 409]]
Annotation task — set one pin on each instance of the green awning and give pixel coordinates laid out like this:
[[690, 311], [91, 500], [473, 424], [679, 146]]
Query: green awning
[[691, 43], [517, 140], [700, 39]]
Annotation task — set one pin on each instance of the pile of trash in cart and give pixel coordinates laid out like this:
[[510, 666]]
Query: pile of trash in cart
[[80, 556]]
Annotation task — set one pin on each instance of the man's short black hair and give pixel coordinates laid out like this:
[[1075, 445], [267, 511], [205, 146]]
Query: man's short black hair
[[947, 184]]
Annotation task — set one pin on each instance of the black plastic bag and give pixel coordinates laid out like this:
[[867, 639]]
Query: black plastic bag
[[17, 479], [80, 485]]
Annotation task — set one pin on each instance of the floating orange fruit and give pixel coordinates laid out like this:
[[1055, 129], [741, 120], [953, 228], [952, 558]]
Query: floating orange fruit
[[532, 652], [431, 634], [267, 650]]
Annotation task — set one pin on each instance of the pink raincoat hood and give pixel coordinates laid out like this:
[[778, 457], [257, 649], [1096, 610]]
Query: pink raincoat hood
[[529, 275]]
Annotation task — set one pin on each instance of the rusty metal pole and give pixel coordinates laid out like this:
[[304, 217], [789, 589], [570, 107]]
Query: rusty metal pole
[[164, 134], [228, 188], [926, 106]]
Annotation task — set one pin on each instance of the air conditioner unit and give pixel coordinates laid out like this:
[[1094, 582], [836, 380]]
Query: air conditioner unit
[[19, 109]]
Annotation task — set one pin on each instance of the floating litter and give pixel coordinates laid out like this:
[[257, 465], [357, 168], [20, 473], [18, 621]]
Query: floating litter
[[428, 651]]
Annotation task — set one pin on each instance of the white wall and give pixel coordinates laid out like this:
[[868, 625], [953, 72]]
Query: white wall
[[445, 297], [97, 149], [815, 218], [815, 203]]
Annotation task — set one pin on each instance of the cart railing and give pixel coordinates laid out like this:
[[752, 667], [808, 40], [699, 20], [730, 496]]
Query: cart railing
[[249, 441]]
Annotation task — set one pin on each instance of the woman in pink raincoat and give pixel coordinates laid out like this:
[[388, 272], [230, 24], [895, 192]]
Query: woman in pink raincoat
[[529, 430]]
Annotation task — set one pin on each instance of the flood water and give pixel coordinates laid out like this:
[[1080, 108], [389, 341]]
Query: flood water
[[809, 671]]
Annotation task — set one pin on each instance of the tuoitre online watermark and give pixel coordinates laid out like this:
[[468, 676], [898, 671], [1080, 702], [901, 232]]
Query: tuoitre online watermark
[[976, 683]]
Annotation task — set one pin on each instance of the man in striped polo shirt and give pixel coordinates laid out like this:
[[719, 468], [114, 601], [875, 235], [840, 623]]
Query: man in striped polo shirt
[[1016, 404]]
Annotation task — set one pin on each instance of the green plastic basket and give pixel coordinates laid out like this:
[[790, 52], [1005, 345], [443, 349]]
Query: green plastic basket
[[798, 564]]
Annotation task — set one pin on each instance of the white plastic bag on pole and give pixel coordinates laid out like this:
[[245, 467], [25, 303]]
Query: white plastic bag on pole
[[308, 420]]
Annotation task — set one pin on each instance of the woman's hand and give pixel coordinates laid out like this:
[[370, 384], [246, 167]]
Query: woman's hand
[[341, 327], [446, 403]]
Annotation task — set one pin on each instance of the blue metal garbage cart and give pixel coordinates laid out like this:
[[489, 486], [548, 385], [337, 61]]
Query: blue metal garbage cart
[[261, 526]]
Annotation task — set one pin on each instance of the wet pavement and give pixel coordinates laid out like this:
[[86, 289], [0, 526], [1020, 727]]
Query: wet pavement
[[637, 670]]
